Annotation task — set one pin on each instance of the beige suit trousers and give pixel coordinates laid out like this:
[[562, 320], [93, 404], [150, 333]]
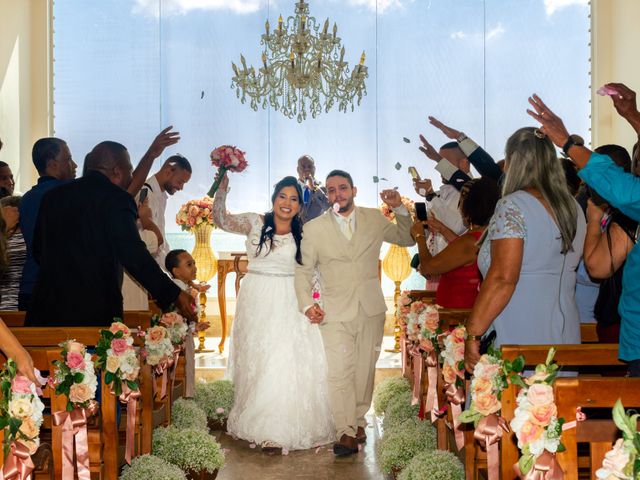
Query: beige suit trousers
[[352, 349]]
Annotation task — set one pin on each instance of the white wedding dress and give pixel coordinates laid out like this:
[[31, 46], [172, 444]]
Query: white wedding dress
[[276, 357]]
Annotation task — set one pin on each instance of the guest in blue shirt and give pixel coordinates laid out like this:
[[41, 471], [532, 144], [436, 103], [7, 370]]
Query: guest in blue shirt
[[53, 161], [621, 190]]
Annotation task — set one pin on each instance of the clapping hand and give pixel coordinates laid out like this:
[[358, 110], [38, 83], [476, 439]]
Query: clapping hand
[[315, 314], [164, 139], [448, 131], [552, 125], [391, 198], [428, 150]]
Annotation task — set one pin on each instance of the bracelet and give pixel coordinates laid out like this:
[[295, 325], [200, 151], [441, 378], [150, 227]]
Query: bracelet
[[461, 138], [473, 338]]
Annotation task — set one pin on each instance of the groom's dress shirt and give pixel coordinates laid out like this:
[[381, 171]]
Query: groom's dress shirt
[[158, 205]]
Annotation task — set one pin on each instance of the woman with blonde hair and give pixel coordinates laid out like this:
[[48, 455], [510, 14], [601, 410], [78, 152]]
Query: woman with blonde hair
[[530, 254]]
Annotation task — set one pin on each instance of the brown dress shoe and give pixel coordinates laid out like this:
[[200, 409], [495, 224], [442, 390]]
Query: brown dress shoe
[[361, 436], [346, 446]]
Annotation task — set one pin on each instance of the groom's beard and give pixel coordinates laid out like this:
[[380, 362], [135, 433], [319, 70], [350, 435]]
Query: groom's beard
[[347, 207]]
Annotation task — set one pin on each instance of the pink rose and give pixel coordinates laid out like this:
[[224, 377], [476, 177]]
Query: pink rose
[[191, 221], [418, 307], [491, 370], [75, 361], [219, 410], [171, 318], [540, 394], [530, 432], [193, 211], [119, 327], [459, 334], [21, 384], [75, 347], [481, 386], [316, 295], [541, 414], [487, 403], [449, 373], [426, 345], [458, 351], [119, 346], [156, 334], [80, 393], [210, 218], [432, 320]]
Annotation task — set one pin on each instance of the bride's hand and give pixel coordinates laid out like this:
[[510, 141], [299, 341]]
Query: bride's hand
[[224, 183]]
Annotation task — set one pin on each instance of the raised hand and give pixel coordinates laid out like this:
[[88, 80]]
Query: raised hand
[[448, 131], [391, 198], [423, 187], [625, 100], [552, 125], [428, 150], [164, 139]]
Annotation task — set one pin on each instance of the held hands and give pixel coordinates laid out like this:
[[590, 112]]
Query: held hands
[[428, 150], [391, 198], [552, 125], [164, 139], [315, 314], [448, 131]]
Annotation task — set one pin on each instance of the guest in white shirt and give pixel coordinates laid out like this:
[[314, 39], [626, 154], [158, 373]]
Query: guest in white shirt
[[171, 178]]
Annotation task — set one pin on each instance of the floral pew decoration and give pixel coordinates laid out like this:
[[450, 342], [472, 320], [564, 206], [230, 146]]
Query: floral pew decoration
[[420, 327], [178, 330], [453, 376], [159, 353], [622, 462], [536, 424], [75, 377], [117, 358], [21, 417], [491, 376]]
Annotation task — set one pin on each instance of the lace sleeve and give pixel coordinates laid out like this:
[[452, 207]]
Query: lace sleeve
[[240, 223], [507, 222]]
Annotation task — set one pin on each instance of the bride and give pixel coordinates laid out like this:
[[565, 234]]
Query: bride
[[276, 357]]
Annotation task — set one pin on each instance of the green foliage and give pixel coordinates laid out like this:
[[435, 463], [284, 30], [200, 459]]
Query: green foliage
[[215, 398], [400, 444], [189, 448], [151, 467], [433, 465], [187, 414], [388, 389], [399, 410]]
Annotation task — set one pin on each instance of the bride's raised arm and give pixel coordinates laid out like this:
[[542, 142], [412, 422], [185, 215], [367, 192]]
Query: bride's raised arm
[[239, 223]]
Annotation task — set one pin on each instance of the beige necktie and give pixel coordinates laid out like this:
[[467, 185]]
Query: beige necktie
[[347, 229]]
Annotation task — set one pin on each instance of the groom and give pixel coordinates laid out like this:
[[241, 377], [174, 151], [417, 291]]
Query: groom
[[344, 244]]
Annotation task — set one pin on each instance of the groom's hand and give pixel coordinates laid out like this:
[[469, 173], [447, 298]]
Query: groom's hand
[[315, 314], [391, 198]]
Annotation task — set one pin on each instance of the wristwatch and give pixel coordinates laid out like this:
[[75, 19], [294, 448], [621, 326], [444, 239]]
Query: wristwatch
[[571, 141]]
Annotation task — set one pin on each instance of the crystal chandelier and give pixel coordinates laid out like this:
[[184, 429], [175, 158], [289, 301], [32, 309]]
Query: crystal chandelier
[[301, 68]]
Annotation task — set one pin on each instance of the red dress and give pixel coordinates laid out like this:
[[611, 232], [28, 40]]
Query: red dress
[[459, 288]]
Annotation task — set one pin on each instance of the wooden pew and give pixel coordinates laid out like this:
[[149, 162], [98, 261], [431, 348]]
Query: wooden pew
[[42, 344], [591, 392], [569, 356]]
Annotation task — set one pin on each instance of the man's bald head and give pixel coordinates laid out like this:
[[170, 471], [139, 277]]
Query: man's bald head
[[112, 160], [306, 168]]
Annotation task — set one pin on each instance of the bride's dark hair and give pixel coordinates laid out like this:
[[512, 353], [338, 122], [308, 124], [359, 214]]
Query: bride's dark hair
[[269, 227]]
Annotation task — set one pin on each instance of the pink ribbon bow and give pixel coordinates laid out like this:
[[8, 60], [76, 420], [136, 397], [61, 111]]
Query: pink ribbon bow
[[455, 397], [432, 389], [130, 397], [18, 464], [580, 417], [74, 427], [418, 367], [489, 432], [546, 467]]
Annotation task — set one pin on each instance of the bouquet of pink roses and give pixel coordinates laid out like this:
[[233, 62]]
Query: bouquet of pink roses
[[227, 159], [74, 376], [117, 356]]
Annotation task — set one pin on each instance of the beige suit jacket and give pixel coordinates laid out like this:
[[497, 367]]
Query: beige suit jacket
[[348, 268]]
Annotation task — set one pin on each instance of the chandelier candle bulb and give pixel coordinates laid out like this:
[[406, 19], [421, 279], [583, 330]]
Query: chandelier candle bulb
[[362, 57], [280, 23], [326, 26], [266, 25], [341, 54], [335, 29]]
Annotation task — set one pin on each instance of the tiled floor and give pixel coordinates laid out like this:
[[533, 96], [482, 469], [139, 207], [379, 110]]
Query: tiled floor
[[246, 463]]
